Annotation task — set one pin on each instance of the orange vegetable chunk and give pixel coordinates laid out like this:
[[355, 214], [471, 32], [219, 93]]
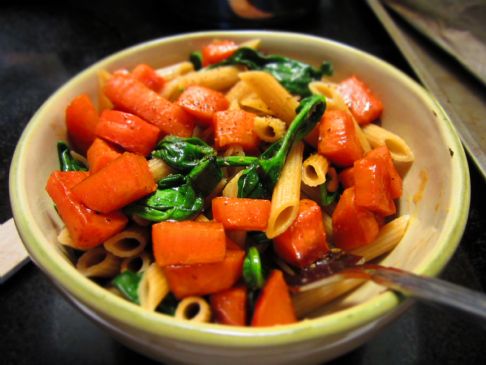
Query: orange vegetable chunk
[[372, 186], [188, 242], [274, 305], [229, 306], [202, 102], [305, 240], [128, 131], [362, 103], [100, 154], [337, 138], [130, 95], [81, 121], [119, 183], [346, 177], [383, 153], [234, 127], [203, 279], [352, 226], [242, 213], [148, 76], [86, 228], [217, 51]]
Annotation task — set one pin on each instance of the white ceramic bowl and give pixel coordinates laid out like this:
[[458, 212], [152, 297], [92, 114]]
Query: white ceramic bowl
[[436, 195]]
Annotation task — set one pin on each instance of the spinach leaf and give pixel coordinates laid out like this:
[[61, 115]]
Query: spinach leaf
[[66, 161], [127, 283], [196, 59], [176, 200], [205, 176], [259, 179], [328, 198], [253, 270], [292, 74], [182, 154]]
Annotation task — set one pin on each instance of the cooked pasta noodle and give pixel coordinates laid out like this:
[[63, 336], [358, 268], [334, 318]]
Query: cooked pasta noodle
[[274, 95], [137, 263], [314, 170], [128, 243], [389, 236], [98, 263], [334, 100], [269, 129], [175, 70], [238, 91], [363, 141], [327, 220], [252, 43], [231, 188], [158, 168], [153, 287], [253, 103], [286, 194], [201, 218], [64, 238], [378, 136], [220, 78], [194, 309]]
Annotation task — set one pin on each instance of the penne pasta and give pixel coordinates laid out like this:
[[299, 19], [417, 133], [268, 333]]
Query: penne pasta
[[98, 263], [171, 72], [253, 103], [128, 243], [238, 91], [252, 43], [64, 238], [158, 168], [378, 136], [137, 263], [194, 309], [269, 129], [363, 141], [220, 78], [153, 287], [327, 220], [274, 95], [389, 236], [334, 100], [286, 194], [231, 188], [314, 170], [201, 218]]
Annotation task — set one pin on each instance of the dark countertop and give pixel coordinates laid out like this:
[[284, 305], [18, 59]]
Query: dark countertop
[[41, 47]]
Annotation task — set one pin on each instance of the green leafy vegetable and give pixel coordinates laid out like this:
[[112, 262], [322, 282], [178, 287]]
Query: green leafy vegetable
[[327, 198], [205, 176], [175, 199], [258, 180], [168, 305], [292, 74], [196, 59], [66, 161], [183, 154], [252, 269], [127, 283]]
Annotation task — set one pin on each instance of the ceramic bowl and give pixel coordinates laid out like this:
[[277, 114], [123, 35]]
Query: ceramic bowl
[[436, 195]]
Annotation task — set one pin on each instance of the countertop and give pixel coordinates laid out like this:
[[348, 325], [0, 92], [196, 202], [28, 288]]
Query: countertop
[[42, 46]]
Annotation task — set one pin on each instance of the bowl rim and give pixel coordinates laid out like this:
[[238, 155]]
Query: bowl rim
[[134, 316]]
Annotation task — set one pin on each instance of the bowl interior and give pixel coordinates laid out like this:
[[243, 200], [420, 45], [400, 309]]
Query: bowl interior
[[436, 187]]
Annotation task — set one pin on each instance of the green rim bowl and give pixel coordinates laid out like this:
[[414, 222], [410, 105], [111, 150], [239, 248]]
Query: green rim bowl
[[436, 195]]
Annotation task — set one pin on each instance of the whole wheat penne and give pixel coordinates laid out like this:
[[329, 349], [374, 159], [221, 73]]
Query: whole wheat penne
[[274, 95], [399, 149], [128, 243], [137, 263], [194, 309], [314, 170], [231, 188], [153, 287], [171, 72], [98, 263], [286, 194], [220, 78], [158, 168], [269, 129]]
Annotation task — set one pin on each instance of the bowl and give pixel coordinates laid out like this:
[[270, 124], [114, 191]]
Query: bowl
[[436, 195]]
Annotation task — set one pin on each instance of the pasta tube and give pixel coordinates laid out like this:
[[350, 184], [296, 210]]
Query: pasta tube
[[137, 263], [158, 168], [314, 170], [178, 69], [153, 287], [220, 78], [194, 309], [98, 263], [269, 129], [286, 194], [274, 95], [378, 136], [128, 243]]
